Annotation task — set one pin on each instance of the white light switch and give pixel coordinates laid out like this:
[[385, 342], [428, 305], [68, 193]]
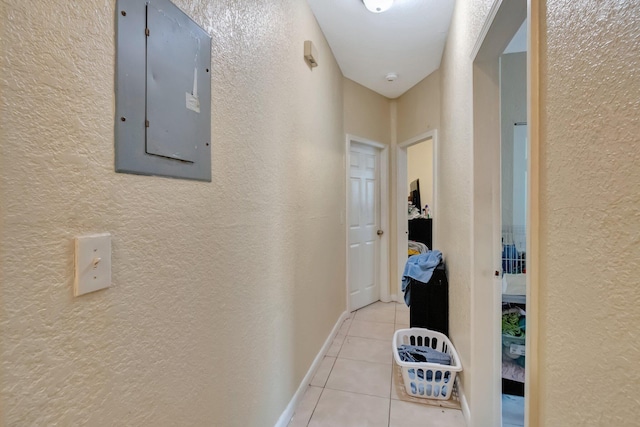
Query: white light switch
[[93, 263]]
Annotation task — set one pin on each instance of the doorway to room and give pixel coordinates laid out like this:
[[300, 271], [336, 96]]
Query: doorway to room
[[416, 198], [494, 217], [513, 249]]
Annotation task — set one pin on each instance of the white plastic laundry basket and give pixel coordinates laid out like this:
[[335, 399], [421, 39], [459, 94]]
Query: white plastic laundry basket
[[427, 380]]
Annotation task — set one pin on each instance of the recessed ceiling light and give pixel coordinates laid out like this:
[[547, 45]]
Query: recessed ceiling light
[[377, 6]]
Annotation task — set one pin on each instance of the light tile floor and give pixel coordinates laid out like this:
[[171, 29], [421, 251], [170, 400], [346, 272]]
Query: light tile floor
[[353, 385]]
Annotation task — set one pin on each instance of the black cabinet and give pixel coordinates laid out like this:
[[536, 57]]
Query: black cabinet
[[420, 231], [430, 302]]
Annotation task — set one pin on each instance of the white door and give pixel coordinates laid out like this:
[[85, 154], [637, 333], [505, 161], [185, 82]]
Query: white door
[[364, 220]]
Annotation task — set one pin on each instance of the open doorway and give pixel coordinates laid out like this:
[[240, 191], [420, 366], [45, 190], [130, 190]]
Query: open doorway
[[416, 201], [514, 177], [488, 346]]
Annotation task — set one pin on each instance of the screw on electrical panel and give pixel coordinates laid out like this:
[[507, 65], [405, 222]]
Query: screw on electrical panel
[[123, 13], [122, 119]]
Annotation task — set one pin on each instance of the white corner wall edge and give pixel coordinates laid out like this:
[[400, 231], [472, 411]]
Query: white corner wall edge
[[463, 402], [286, 416]]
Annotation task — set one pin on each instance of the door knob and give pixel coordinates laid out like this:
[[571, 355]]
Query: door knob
[[380, 233]]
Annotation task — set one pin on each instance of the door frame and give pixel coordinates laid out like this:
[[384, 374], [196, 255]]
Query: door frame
[[402, 182], [383, 261], [503, 20]]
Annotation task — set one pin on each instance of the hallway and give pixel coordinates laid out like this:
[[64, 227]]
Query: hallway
[[358, 384], [222, 291]]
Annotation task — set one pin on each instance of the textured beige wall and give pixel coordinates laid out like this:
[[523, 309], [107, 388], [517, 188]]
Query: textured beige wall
[[367, 114], [223, 292], [419, 108], [589, 286], [455, 170]]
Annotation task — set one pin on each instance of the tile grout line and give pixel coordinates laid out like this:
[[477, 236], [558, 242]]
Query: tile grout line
[[389, 398], [324, 387], [314, 407], [369, 338], [351, 319], [360, 360], [330, 370], [327, 380], [355, 392]]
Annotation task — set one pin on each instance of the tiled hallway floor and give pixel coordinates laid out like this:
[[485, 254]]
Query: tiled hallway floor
[[356, 382]]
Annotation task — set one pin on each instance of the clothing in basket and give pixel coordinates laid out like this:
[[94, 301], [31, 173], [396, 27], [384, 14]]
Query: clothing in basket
[[426, 379], [414, 353]]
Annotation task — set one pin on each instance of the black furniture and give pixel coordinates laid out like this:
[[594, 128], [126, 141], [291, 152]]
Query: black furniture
[[430, 302], [513, 388], [420, 231]]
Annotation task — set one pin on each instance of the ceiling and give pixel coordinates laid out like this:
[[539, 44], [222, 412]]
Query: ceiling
[[407, 40]]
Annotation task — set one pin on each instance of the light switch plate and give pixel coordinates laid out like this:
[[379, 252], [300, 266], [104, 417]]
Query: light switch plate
[[92, 263]]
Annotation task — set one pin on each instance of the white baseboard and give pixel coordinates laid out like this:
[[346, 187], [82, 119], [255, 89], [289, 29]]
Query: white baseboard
[[394, 297], [463, 402], [286, 416]]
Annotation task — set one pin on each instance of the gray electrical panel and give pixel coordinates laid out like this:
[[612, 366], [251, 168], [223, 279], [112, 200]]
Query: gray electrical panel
[[163, 92]]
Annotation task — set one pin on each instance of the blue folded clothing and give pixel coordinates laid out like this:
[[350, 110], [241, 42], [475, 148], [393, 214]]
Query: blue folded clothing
[[414, 353]]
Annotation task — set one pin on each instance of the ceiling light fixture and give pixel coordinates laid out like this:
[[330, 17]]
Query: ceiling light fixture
[[377, 6]]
